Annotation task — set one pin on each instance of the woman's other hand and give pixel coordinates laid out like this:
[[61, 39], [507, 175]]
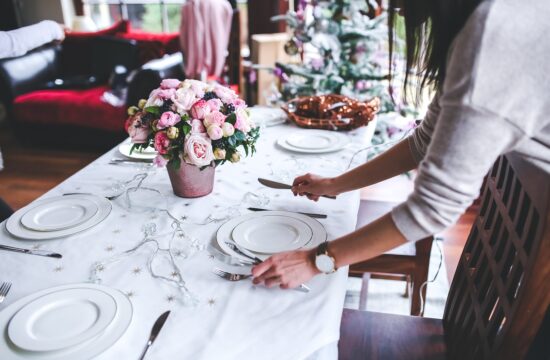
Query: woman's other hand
[[286, 270], [313, 186]]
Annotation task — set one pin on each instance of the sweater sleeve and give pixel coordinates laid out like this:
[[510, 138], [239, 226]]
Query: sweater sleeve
[[18, 42], [465, 144], [421, 137]]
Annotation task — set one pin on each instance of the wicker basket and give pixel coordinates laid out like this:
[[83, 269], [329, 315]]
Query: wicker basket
[[331, 112]]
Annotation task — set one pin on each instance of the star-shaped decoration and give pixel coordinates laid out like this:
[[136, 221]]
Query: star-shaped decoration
[[187, 204], [154, 217], [277, 195], [58, 268], [116, 231], [175, 274], [130, 294], [109, 248], [211, 301], [36, 246], [136, 271], [181, 235], [178, 253], [78, 188], [123, 215], [216, 206], [211, 257], [183, 218], [100, 267], [170, 298]]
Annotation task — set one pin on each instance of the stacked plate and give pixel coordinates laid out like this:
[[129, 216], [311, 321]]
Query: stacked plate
[[67, 322], [313, 141], [146, 154], [58, 216], [269, 232]]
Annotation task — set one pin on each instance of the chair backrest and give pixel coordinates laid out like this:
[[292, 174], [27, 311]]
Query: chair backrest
[[501, 289]]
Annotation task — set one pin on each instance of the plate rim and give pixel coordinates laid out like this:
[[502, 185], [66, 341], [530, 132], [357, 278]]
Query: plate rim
[[57, 348], [110, 337], [282, 142], [296, 134], [63, 228], [268, 215], [221, 243], [127, 154], [13, 221]]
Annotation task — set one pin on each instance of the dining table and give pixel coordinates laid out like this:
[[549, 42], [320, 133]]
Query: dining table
[[211, 318]]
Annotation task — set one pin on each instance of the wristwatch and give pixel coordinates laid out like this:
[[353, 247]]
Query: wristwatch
[[323, 261]]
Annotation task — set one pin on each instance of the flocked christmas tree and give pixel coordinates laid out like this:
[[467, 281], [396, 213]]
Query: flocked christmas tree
[[343, 49]]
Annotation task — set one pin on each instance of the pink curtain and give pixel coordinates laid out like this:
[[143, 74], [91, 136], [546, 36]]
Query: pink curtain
[[204, 36]]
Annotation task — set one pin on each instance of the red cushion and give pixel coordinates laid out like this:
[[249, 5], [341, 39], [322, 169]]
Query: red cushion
[[76, 55], [69, 107], [152, 46]]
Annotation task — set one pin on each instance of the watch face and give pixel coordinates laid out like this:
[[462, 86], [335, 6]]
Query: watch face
[[324, 263]]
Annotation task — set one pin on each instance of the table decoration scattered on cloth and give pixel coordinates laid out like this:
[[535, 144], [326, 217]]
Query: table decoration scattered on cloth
[[194, 127]]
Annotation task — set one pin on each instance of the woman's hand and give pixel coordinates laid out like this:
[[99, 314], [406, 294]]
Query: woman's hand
[[313, 186], [287, 270]]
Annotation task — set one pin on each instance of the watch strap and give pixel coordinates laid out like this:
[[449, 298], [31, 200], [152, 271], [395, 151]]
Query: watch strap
[[322, 248]]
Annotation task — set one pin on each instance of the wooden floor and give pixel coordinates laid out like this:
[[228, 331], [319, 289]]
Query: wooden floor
[[30, 171]]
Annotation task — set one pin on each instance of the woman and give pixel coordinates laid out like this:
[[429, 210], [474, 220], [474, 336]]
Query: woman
[[488, 61]]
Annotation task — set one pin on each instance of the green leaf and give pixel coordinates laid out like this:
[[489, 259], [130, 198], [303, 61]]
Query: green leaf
[[232, 141], [232, 119], [245, 146], [186, 128], [155, 110], [239, 135]]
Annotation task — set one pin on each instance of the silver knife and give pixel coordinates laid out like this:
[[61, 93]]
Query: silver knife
[[277, 185], [257, 260], [313, 215], [154, 332], [31, 252]]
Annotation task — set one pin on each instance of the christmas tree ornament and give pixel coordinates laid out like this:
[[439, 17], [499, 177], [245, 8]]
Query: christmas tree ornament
[[291, 47]]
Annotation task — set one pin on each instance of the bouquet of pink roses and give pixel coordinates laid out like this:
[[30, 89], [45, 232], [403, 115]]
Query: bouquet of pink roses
[[192, 121]]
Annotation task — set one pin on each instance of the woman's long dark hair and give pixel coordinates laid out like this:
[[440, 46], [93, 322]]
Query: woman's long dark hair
[[430, 28]]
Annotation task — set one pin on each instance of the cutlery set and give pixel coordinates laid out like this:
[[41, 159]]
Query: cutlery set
[[277, 185]]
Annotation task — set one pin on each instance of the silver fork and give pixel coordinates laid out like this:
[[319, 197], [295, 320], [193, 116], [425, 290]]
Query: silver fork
[[230, 276], [4, 290]]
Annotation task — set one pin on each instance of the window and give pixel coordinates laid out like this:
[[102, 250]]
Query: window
[[147, 15]]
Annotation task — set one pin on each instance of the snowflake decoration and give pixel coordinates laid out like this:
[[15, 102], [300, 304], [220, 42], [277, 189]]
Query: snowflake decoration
[[170, 298], [109, 248], [36, 247], [211, 257], [123, 215], [178, 253], [175, 274], [136, 271], [58, 268], [211, 301], [100, 268], [130, 294], [116, 231]]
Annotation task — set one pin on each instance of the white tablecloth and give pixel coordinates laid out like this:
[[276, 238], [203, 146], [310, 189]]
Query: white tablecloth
[[233, 320]]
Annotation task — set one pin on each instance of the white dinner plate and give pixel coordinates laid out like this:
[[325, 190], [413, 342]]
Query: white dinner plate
[[58, 214], [146, 154], [15, 228], [62, 319], [224, 233], [267, 116], [313, 141], [272, 234], [87, 350]]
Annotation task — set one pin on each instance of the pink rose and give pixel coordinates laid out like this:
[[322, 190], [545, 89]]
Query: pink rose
[[161, 142], [183, 100], [215, 132], [137, 131], [225, 94], [239, 104], [168, 119], [198, 150], [160, 161], [157, 97], [200, 109], [169, 84], [214, 104], [198, 87], [214, 118], [242, 123], [197, 127]]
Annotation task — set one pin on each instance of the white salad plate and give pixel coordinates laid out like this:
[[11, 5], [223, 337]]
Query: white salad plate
[[16, 228], [83, 351], [54, 214], [225, 231], [271, 234], [62, 319], [313, 141], [146, 154], [267, 116]]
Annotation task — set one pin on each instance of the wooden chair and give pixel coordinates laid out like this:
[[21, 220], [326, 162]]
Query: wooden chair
[[500, 294], [409, 262]]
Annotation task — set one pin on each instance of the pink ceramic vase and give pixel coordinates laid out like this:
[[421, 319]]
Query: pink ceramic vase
[[190, 181]]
